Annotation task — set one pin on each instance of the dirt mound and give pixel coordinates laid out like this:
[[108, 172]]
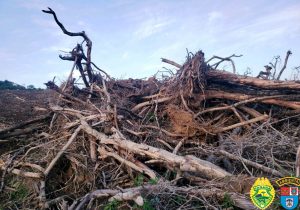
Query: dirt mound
[[19, 105]]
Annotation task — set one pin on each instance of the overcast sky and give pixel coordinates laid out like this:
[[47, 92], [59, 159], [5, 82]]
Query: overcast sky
[[130, 36]]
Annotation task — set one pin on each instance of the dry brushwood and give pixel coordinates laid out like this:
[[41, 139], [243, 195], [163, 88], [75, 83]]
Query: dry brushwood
[[196, 138]]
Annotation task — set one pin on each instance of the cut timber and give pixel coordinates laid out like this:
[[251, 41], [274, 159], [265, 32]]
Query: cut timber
[[23, 124], [257, 119], [187, 163], [251, 100], [135, 165], [227, 77], [171, 62], [18, 132], [147, 103], [23, 173], [250, 111], [210, 94]]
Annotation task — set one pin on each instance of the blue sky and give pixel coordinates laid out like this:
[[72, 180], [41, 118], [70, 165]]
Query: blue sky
[[130, 36]]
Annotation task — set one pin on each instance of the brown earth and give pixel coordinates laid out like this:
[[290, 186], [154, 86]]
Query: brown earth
[[17, 106]]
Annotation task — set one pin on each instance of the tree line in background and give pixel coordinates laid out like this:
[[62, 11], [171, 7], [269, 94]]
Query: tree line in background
[[8, 85]]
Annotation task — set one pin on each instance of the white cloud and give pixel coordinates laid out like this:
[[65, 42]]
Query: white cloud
[[150, 27], [81, 23], [125, 55], [213, 16], [271, 26]]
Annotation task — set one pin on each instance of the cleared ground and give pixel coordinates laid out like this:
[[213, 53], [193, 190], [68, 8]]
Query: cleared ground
[[18, 105]]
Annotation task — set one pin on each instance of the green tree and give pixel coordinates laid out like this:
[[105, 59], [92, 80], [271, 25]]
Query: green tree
[[8, 85], [31, 87]]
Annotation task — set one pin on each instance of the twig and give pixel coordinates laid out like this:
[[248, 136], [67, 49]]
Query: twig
[[134, 132], [274, 66], [144, 169], [24, 173], [224, 59], [288, 53], [251, 163], [251, 100], [116, 117], [101, 70], [93, 149], [180, 143], [165, 143], [164, 131], [171, 62], [257, 119], [184, 103], [42, 195], [297, 163], [250, 111], [7, 165], [59, 154], [147, 103]]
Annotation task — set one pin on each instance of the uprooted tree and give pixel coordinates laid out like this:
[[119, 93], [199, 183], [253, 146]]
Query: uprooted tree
[[197, 138]]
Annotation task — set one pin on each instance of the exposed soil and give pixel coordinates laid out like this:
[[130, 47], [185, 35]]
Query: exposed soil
[[18, 105]]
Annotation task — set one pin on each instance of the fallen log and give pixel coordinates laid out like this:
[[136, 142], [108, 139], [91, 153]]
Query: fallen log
[[136, 194], [228, 79], [260, 118], [23, 124], [147, 103], [21, 173], [210, 94], [183, 163], [18, 132]]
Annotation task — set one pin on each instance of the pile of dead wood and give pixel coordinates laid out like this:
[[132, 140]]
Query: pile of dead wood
[[193, 139], [197, 138]]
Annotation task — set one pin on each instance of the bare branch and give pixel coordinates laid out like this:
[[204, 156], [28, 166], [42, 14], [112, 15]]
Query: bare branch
[[274, 65], [288, 53], [79, 49], [224, 59], [65, 31], [171, 62]]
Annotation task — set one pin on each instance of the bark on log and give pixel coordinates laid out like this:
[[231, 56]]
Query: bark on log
[[217, 76], [19, 132], [239, 200], [187, 163], [23, 173], [22, 124], [210, 94]]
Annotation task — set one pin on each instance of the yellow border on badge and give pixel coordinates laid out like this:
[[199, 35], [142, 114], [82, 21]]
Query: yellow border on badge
[[262, 181], [288, 180]]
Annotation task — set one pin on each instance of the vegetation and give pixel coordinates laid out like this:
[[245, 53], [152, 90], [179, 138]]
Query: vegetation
[[113, 205], [8, 85], [227, 201]]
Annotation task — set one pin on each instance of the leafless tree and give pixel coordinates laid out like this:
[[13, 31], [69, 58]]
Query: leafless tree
[[77, 54]]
